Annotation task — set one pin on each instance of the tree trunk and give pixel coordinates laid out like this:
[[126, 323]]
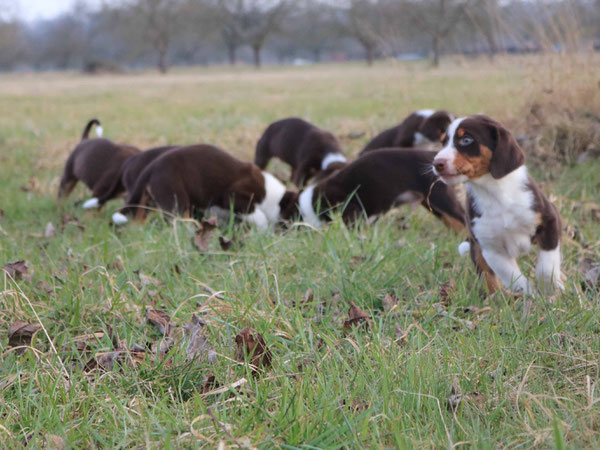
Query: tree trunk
[[369, 53], [231, 53], [436, 50], [256, 50]]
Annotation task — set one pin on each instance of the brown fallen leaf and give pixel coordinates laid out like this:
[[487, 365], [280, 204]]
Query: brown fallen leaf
[[147, 280], [209, 382], [55, 442], [473, 399], [41, 285], [356, 316], [198, 348], [20, 333], [18, 270], [204, 233], [84, 342], [160, 320], [447, 289], [250, 343], [32, 186], [49, 231], [67, 219], [358, 259], [225, 243], [106, 361], [389, 302], [116, 265]]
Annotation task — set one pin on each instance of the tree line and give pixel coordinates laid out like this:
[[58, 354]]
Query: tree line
[[162, 33]]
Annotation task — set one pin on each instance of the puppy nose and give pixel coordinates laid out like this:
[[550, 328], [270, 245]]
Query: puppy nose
[[440, 165]]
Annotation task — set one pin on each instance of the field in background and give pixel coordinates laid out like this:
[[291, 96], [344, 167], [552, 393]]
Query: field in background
[[527, 377]]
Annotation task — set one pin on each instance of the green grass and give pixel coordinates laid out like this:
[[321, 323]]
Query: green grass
[[364, 388]]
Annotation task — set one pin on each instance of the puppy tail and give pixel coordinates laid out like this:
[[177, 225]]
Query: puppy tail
[[88, 127], [464, 248]]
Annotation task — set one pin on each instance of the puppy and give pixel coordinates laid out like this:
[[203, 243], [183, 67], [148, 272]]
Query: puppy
[[379, 181], [192, 179], [507, 212], [424, 128], [305, 147], [130, 171], [95, 162]]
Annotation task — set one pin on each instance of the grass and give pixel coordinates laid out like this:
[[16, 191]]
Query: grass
[[387, 386]]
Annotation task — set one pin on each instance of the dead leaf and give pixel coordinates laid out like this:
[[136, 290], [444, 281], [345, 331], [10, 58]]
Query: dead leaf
[[20, 333], [356, 316], [389, 302], [225, 243], [70, 220], [49, 232], [160, 320], [204, 233], [209, 382], [198, 348], [83, 342], [358, 259], [32, 186], [447, 289], [41, 285], [106, 361], [55, 442], [473, 399], [18, 270], [116, 265], [148, 280], [250, 343]]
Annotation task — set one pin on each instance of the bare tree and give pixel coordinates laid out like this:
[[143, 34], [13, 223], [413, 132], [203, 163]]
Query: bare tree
[[438, 19], [364, 23], [159, 25], [250, 22]]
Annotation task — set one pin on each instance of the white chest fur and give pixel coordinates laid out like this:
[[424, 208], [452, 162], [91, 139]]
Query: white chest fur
[[507, 220]]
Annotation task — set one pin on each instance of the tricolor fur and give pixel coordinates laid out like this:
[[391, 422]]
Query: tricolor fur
[[507, 212]]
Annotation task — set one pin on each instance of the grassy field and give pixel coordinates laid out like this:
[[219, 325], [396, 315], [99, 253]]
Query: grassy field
[[527, 379]]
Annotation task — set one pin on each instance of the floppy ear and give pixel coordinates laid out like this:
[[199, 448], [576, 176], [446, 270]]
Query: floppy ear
[[507, 155], [288, 205]]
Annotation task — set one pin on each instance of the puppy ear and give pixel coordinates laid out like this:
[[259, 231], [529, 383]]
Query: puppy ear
[[507, 155], [288, 205]]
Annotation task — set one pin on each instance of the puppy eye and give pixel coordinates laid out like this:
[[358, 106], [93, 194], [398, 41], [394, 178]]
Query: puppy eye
[[465, 140]]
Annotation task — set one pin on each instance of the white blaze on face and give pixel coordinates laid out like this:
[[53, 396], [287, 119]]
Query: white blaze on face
[[448, 153], [330, 158], [274, 192], [306, 207]]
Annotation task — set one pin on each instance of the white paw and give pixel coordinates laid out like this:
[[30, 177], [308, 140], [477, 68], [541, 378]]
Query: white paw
[[464, 248], [91, 203], [119, 219]]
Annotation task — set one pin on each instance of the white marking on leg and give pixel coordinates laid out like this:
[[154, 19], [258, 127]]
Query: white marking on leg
[[119, 219], [99, 131], [306, 207], [508, 271], [91, 203], [547, 270], [464, 248], [257, 218], [330, 158], [274, 192]]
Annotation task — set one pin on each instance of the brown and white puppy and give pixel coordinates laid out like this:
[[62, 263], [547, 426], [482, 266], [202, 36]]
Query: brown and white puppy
[[130, 171], [379, 181], [189, 179], [425, 128], [96, 162], [305, 147], [507, 211]]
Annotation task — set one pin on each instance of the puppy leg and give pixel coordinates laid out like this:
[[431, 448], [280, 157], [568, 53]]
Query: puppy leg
[[443, 203], [68, 180], [491, 280], [300, 175], [508, 270], [257, 218], [548, 270], [107, 188], [263, 153]]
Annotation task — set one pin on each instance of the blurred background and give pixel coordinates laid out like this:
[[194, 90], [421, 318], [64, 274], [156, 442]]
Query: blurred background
[[99, 36]]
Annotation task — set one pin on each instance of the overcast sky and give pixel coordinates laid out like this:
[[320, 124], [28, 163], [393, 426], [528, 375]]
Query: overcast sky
[[31, 10]]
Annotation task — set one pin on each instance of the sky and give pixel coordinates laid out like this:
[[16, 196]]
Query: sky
[[31, 10]]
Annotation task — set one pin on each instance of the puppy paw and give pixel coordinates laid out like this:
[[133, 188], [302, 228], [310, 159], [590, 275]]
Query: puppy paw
[[464, 248], [119, 219], [91, 203]]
